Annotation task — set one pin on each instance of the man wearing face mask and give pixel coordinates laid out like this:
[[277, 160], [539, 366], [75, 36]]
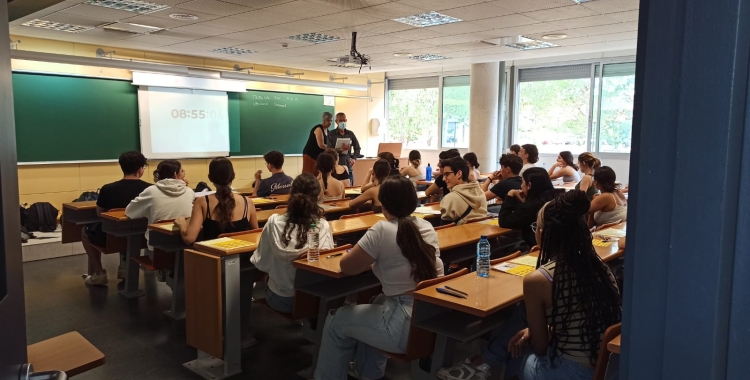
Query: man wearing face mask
[[346, 156]]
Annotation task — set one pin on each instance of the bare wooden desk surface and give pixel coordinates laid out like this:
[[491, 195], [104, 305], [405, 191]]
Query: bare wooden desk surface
[[70, 353], [88, 205]]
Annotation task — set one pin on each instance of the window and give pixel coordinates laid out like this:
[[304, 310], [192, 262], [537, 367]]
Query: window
[[616, 116], [558, 110], [553, 108], [413, 112], [455, 133]]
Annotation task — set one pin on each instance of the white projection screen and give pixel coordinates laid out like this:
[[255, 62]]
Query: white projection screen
[[181, 123]]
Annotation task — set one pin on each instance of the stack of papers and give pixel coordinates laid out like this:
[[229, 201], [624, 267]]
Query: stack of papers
[[227, 243], [427, 210], [520, 266]]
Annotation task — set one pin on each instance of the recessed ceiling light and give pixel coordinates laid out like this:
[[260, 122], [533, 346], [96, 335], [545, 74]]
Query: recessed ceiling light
[[136, 6], [315, 38], [554, 36], [44, 24], [183, 16], [521, 43], [427, 19], [581, 1], [233, 50], [428, 57], [408, 55]]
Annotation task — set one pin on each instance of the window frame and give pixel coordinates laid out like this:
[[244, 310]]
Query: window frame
[[595, 101]]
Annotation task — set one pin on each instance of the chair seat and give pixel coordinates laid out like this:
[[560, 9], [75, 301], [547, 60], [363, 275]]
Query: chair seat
[[263, 302], [145, 262]]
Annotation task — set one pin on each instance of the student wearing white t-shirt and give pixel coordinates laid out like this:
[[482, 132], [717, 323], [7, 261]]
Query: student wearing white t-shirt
[[402, 251], [530, 155]]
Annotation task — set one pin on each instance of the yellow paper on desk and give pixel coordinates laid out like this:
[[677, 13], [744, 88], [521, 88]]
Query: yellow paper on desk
[[353, 192], [491, 222], [601, 243], [381, 215], [525, 260], [514, 269], [262, 200], [420, 216], [228, 243]]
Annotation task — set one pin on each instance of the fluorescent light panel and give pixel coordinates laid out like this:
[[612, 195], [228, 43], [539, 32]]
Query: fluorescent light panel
[[315, 38], [233, 50], [131, 28], [581, 1], [60, 27], [427, 19], [428, 57], [141, 7]]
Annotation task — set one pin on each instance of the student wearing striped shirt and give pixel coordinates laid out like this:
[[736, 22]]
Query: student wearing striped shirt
[[570, 300]]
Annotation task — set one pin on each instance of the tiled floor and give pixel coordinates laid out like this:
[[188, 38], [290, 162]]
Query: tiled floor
[[139, 342]]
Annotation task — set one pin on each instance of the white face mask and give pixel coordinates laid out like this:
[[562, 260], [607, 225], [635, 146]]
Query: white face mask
[[342, 125]]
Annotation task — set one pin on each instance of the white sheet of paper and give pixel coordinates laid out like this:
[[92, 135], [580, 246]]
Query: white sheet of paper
[[342, 142]]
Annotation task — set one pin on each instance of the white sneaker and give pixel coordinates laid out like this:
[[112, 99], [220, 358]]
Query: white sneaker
[[96, 279], [465, 371]]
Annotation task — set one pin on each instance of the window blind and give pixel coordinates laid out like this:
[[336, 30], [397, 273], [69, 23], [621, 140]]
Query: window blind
[[537, 74], [412, 83], [460, 81], [619, 69]]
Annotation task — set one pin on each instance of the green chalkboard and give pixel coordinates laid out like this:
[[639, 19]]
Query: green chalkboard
[[277, 121], [64, 118], [67, 118]]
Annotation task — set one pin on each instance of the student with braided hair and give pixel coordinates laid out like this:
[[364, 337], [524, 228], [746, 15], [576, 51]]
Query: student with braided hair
[[571, 299]]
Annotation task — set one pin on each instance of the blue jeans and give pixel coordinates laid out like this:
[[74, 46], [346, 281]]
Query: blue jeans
[[279, 303], [529, 366], [356, 332]]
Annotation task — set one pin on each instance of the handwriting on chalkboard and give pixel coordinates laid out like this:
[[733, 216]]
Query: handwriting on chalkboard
[[280, 101]]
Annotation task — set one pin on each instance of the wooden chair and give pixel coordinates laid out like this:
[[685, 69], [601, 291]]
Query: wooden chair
[[421, 342], [481, 218], [601, 363], [240, 233], [506, 258], [280, 207], [357, 215], [445, 226]]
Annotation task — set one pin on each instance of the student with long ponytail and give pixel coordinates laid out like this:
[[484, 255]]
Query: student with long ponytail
[[588, 164], [332, 189], [219, 213], [402, 251], [284, 239]]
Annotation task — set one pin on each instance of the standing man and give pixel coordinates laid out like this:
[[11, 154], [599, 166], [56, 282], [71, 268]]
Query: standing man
[[316, 144], [346, 158]]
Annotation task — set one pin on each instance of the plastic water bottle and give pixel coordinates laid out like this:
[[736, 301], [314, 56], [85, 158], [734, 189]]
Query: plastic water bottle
[[428, 172], [313, 240], [483, 257]]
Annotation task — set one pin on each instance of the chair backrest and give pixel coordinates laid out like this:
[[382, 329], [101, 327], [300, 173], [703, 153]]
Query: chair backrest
[[445, 226], [280, 206], [357, 215], [486, 217], [240, 233], [601, 363], [506, 258], [421, 342]]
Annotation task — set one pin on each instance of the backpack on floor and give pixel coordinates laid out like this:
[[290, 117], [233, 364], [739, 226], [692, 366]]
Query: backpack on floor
[[87, 196], [41, 216], [26, 235]]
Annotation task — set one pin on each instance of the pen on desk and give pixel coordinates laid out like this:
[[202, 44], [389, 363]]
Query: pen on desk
[[456, 290], [334, 255], [450, 293]]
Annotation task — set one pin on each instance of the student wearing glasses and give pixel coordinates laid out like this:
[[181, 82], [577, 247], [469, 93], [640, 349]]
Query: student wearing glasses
[[466, 200]]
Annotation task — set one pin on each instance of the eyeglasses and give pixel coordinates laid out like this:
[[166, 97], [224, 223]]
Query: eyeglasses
[[446, 173], [534, 227]]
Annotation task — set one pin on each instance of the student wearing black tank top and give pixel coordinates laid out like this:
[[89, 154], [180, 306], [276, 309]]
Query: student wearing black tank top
[[220, 213]]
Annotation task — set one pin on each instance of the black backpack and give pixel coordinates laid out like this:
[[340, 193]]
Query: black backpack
[[41, 216], [202, 186], [87, 196], [26, 235]]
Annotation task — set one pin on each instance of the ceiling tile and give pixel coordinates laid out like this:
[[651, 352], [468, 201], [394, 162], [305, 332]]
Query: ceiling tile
[[416, 34], [562, 13], [363, 44], [506, 21], [201, 30], [603, 29], [257, 4], [263, 17], [447, 40], [521, 6], [598, 38], [439, 5], [157, 39], [584, 22], [300, 8], [624, 16], [165, 23], [612, 6], [458, 28], [130, 44], [525, 30], [191, 45], [234, 24], [215, 7], [177, 35], [391, 11], [349, 19], [46, 11], [99, 13], [202, 16], [348, 4], [66, 18], [477, 11], [369, 30], [219, 41]]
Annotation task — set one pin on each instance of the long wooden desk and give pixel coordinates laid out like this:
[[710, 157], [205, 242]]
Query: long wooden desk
[[330, 209], [270, 201], [118, 224], [75, 215], [353, 192], [485, 308]]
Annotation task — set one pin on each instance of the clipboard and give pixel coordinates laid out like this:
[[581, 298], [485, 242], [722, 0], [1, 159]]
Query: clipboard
[[342, 141]]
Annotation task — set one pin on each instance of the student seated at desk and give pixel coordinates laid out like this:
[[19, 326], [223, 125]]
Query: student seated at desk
[[113, 195], [588, 163], [510, 179], [570, 300], [220, 213], [284, 239], [412, 171], [380, 171], [168, 198], [611, 205], [473, 162], [564, 168], [439, 183], [466, 200], [340, 172], [402, 252], [521, 206], [514, 149], [530, 155], [332, 189], [279, 182], [392, 160]]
